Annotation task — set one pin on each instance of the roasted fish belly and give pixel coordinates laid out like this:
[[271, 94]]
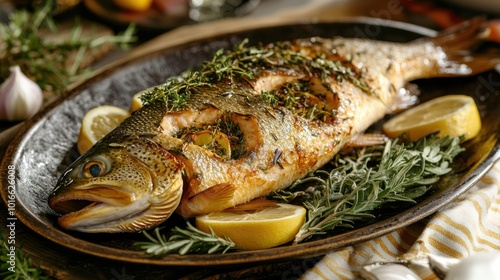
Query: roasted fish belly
[[247, 123]]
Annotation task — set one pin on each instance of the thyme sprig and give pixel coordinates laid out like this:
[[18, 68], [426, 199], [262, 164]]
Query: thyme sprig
[[24, 43], [23, 268], [244, 62], [184, 241], [370, 178]]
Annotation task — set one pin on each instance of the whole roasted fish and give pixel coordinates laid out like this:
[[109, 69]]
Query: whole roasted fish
[[247, 123]]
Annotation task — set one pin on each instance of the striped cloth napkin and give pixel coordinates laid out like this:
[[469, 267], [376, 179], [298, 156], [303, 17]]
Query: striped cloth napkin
[[465, 227]]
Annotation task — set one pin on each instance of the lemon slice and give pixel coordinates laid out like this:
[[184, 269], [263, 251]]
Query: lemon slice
[[136, 103], [254, 230], [97, 123], [134, 5], [450, 115]]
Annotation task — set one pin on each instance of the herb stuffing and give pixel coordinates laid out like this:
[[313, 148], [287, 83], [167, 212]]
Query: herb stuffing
[[345, 195], [224, 138]]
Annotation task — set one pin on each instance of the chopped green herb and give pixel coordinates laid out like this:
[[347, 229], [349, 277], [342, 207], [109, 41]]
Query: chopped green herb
[[243, 63], [175, 92], [299, 99]]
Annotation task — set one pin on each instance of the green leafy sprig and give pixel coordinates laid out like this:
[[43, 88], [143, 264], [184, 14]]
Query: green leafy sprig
[[370, 178], [45, 62], [23, 269], [184, 241]]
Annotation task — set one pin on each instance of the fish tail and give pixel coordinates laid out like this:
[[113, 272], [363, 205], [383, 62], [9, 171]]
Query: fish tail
[[460, 45]]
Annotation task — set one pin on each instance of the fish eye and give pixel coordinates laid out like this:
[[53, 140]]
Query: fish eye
[[93, 169]]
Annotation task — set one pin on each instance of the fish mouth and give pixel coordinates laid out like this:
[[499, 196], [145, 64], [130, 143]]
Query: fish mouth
[[78, 199], [97, 208]]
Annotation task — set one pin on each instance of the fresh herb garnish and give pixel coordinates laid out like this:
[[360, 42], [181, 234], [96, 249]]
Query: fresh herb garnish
[[243, 63], [45, 62], [176, 91], [19, 266], [184, 241], [370, 178]]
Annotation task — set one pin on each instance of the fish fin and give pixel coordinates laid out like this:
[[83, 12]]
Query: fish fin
[[219, 192], [366, 140], [213, 199], [255, 204], [459, 43]]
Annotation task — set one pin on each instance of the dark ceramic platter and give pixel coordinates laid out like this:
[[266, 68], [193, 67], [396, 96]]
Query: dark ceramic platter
[[46, 144]]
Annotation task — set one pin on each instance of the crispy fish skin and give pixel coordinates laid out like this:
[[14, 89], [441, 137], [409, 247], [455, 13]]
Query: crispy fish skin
[[270, 145]]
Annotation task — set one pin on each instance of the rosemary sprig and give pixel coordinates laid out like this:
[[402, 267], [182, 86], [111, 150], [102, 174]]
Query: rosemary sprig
[[23, 267], [184, 241], [23, 43], [243, 63], [370, 178]]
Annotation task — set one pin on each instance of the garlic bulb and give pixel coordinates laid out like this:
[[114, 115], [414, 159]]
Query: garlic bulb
[[20, 97], [388, 271]]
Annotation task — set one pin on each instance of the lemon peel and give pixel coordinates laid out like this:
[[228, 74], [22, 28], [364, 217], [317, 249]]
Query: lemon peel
[[98, 122], [136, 103]]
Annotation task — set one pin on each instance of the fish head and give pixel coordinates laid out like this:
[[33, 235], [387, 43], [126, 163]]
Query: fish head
[[119, 185]]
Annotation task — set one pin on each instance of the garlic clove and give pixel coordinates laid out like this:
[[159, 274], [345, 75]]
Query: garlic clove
[[20, 97], [388, 271]]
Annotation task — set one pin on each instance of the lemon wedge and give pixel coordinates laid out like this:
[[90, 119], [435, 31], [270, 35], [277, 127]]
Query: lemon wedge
[[136, 103], [134, 5], [254, 230], [98, 122], [449, 115]]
